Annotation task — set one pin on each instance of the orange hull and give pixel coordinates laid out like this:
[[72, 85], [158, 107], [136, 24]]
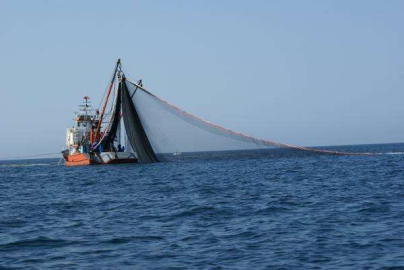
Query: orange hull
[[79, 159]]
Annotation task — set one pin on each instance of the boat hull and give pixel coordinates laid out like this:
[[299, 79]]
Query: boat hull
[[79, 159]]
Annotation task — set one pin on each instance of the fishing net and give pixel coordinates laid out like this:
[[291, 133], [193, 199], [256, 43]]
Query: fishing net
[[168, 129], [134, 128]]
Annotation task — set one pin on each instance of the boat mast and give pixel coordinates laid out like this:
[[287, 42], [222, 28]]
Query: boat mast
[[111, 84]]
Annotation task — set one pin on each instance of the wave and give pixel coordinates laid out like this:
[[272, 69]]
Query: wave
[[37, 242]]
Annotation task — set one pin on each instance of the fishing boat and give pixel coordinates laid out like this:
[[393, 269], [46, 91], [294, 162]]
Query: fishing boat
[[133, 124], [91, 141]]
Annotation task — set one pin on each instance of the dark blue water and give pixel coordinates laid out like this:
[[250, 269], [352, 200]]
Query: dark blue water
[[316, 212]]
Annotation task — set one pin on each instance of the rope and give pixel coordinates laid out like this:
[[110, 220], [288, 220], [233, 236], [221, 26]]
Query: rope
[[29, 156]]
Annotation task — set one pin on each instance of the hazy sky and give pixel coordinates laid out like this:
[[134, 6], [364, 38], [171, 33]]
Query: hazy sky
[[300, 72]]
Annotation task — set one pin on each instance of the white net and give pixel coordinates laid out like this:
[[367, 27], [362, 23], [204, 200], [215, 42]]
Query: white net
[[170, 130]]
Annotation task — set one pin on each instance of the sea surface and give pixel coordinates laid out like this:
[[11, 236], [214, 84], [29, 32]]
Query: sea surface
[[237, 211]]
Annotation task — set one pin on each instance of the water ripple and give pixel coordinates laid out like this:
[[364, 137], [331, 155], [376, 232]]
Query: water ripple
[[218, 212]]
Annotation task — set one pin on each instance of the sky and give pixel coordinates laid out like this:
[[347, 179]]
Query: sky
[[309, 73]]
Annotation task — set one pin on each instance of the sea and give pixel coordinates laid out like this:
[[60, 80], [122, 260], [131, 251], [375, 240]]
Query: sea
[[207, 211]]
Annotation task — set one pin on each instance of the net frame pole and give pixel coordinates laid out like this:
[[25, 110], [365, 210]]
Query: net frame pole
[[111, 84]]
